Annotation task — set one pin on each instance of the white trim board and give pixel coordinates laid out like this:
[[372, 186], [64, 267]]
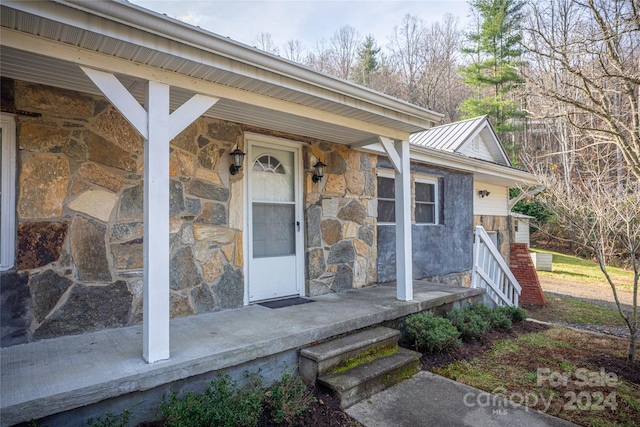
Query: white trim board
[[8, 201]]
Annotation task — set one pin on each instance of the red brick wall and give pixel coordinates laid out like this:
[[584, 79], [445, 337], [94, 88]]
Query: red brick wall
[[524, 271]]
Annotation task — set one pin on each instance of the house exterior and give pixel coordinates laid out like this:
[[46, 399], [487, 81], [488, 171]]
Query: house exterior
[[120, 204], [476, 139]]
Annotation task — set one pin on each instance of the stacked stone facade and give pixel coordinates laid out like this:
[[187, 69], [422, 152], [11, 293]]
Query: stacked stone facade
[[79, 208], [80, 212], [340, 216], [80, 217]]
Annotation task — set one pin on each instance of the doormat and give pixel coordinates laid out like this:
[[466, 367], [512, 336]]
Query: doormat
[[285, 302]]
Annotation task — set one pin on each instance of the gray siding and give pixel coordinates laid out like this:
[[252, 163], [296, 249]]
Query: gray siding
[[437, 249]]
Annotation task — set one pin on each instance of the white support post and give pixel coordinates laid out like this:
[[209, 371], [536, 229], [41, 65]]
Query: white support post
[[158, 127], [156, 226], [404, 258]]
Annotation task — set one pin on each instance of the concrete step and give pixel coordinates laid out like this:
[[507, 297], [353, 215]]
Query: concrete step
[[317, 360], [365, 380]]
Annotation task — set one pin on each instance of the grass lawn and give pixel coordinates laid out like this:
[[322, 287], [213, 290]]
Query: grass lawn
[[575, 376], [580, 270], [569, 310]]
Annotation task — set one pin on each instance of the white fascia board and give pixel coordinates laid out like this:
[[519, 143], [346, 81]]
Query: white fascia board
[[482, 171], [139, 23]]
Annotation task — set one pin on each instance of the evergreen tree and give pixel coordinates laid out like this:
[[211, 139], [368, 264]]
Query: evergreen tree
[[496, 56], [368, 62]]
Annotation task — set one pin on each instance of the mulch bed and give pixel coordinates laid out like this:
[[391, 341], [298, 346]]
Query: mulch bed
[[324, 412]]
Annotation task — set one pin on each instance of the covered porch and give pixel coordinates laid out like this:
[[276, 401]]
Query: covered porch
[[92, 374]]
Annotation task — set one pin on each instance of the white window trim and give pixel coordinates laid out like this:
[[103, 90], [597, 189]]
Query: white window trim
[[436, 198], [8, 199], [384, 173]]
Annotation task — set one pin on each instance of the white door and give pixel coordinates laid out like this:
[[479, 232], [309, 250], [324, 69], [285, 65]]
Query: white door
[[274, 237]]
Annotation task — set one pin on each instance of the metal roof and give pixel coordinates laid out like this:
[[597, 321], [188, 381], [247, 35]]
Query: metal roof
[[117, 30], [450, 137], [455, 137]]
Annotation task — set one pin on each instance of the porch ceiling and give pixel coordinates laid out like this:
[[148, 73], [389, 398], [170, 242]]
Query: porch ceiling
[[26, 66], [123, 37]]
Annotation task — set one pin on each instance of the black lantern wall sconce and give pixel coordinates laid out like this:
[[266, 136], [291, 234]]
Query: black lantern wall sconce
[[237, 155], [319, 167], [483, 193]]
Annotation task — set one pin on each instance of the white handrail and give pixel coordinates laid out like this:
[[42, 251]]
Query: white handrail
[[492, 273]]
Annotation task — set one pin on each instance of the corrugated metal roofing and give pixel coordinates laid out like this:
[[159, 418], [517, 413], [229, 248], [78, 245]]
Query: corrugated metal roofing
[[456, 137], [450, 137]]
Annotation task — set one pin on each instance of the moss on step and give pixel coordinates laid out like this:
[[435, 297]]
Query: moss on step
[[366, 357], [401, 374]]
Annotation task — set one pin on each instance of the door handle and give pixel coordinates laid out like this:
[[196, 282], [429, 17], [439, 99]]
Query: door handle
[[298, 225]]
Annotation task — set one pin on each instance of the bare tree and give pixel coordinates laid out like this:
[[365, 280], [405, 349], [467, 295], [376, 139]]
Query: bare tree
[[407, 56], [603, 217], [344, 51], [264, 41], [294, 51], [320, 58], [592, 48]]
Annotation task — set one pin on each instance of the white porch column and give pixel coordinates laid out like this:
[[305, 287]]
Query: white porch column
[[158, 128], [155, 329], [404, 258], [398, 154]]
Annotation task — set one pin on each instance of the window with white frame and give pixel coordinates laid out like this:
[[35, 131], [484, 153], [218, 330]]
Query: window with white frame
[[426, 201], [386, 199], [7, 188]]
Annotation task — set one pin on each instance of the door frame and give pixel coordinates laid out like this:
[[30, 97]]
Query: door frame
[[251, 139]]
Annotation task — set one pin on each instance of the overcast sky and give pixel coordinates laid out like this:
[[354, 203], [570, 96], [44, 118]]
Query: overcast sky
[[307, 21]]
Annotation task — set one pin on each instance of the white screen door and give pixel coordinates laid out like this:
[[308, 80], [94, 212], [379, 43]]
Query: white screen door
[[274, 248]]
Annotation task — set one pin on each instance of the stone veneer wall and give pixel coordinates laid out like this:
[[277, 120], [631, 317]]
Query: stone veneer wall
[[501, 224], [79, 209], [80, 201], [340, 216]]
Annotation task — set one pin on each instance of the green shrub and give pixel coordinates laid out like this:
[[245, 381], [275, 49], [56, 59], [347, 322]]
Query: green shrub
[[110, 420], [223, 404], [432, 333], [496, 318], [288, 398], [468, 322], [516, 314]]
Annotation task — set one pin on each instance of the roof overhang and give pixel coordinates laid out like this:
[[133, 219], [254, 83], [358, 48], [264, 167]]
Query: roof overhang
[[46, 42], [482, 171]]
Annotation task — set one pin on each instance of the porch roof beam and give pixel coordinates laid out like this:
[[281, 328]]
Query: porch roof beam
[[387, 146]]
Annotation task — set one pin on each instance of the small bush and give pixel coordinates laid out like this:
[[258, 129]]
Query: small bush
[[222, 404], [495, 317], [110, 420], [288, 398], [468, 322], [516, 314], [435, 334]]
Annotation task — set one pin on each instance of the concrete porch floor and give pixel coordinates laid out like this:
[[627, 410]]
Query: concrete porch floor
[[52, 376]]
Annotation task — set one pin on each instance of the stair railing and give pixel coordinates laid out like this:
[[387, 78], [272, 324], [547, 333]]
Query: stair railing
[[491, 272]]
